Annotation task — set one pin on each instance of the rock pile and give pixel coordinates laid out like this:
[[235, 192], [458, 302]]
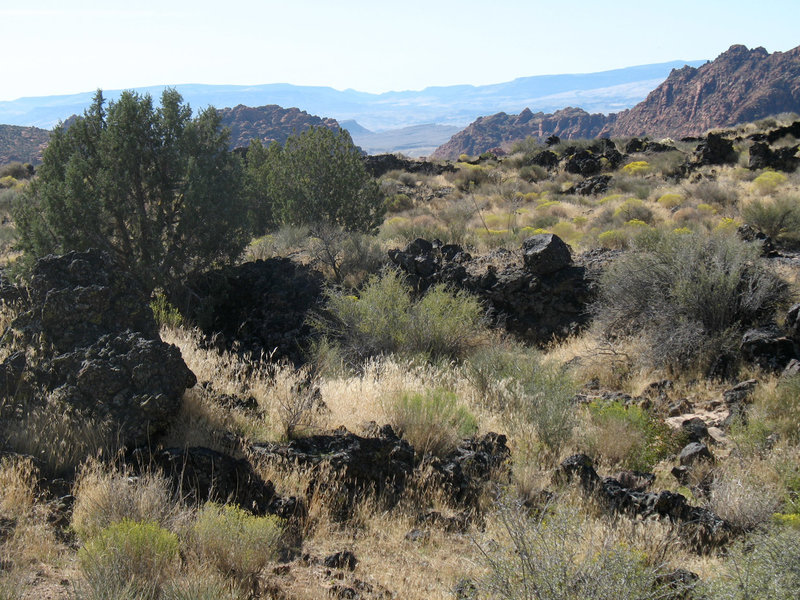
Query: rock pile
[[535, 292], [85, 345]]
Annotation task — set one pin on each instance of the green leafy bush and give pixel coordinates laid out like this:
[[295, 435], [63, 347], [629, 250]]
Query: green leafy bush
[[155, 188], [129, 555], [689, 296], [316, 177], [433, 422], [234, 541], [165, 314], [384, 318]]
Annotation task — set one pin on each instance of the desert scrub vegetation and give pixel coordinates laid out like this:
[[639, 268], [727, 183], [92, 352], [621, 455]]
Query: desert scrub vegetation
[[129, 558], [433, 422], [561, 554], [627, 436], [386, 318], [234, 541], [688, 295]]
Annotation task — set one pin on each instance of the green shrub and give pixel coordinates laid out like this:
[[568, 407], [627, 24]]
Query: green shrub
[[129, 555], [558, 556], [398, 203], [234, 541], [384, 318], [778, 217], [633, 209], [433, 422], [767, 182], [780, 407], [637, 167], [671, 200], [688, 295], [628, 436], [202, 587], [165, 314]]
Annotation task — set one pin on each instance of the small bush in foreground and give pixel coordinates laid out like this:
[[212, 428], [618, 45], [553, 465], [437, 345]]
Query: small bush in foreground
[[234, 541], [432, 422], [764, 565], [127, 556]]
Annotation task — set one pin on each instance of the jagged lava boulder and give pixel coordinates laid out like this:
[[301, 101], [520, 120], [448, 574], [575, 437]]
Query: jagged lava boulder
[[258, 307], [535, 292], [85, 344]]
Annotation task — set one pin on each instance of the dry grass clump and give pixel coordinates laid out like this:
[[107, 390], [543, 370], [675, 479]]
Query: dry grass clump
[[27, 538], [432, 422], [105, 495], [745, 494]]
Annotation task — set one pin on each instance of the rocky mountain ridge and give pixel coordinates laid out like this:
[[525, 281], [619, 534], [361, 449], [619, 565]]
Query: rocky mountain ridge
[[740, 85]]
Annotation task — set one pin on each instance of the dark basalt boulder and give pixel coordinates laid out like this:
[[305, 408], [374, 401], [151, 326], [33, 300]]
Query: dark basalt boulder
[[544, 158], [200, 474], [592, 186], [380, 164], [749, 233], [703, 528], [463, 473], [534, 292], [99, 360], [347, 463], [545, 253], [780, 159], [715, 150], [768, 347], [257, 307]]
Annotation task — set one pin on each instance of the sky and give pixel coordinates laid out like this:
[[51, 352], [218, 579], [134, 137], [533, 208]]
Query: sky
[[55, 47]]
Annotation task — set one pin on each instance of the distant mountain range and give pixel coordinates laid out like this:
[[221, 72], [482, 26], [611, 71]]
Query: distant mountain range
[[738, 86], [448, 105]]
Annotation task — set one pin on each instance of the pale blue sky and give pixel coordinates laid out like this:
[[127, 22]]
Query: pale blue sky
[[67, 46]]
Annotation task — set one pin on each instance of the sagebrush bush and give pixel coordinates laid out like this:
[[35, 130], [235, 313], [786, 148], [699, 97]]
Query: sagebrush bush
[[764, 565], [129, 556], [558, 556], [384, 318], [433, 422], [710, 285], [234, 541], [778, 217]]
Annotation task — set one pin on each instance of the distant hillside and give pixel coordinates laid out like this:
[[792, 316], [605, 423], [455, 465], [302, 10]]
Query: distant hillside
[[502, 129], [414, 141], [268, 123], [457, 105], [22, 144], [740, 85]]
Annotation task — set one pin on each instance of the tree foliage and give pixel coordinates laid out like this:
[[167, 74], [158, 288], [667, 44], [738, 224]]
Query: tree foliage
[[316, 177], [154, 187]]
